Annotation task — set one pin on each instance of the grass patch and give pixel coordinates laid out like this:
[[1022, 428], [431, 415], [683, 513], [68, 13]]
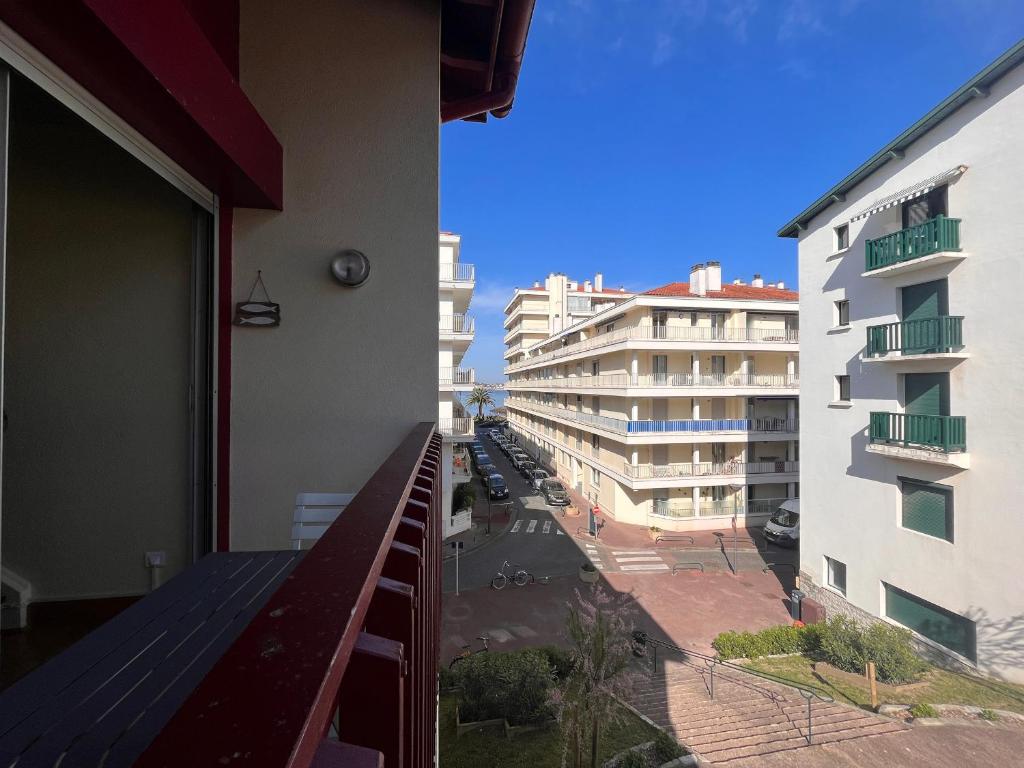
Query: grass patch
[[936, 686], [537, 749], [923, 710]]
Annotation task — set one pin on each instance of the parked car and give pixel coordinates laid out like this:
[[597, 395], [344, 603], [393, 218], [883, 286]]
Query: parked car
[[537, 477], [480, 459], [784, 526], [486, 470], [526, 468], [496, 487], [554, 492], [518, 458]]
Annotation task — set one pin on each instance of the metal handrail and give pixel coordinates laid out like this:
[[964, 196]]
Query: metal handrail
[[807, 692], [687, 566]]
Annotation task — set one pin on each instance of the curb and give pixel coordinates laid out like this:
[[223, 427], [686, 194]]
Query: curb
[[511, 521], [895, 711]]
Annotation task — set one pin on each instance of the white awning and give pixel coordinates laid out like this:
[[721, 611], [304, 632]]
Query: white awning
[[916, 190]]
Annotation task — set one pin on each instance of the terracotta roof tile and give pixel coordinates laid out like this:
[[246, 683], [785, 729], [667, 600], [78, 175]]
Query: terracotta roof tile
[[729, 291]]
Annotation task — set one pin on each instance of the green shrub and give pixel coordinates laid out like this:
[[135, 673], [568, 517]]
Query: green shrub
[[463, 497], [513, 685], [810, 638], [841, 644], [846, 645], [633, 759], [989, 714], [889, 647], [445, 678], [923, 710], [752, 645], [559, 659], [666, 748]]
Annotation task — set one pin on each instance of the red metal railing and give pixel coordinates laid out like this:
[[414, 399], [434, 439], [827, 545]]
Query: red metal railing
[[351, 638]]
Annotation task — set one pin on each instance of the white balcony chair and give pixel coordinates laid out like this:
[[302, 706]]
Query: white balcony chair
[[314, 513]]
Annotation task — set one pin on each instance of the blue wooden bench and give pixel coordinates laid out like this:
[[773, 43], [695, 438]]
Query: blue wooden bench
[[104, 699]]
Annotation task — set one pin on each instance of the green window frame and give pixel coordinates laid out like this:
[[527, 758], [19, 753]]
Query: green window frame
[[927, 508], [948, 629]]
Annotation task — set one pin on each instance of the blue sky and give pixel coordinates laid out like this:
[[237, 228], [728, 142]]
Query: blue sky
[[648, 135]]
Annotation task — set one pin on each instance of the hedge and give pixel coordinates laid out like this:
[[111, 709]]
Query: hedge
[[514, 686], [839, 641]]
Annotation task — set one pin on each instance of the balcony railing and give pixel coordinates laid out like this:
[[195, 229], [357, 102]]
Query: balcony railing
[[933, 236], [652, 380], [350, 638], [708, 469], [455, 427], [448, 377], [944, 433], [668, 334], [456, 324], [654, 426], [458, 272], [683, 508], [916, 337]]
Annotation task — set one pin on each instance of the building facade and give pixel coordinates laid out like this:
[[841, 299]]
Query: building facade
[[455, 333], [676, 408], [534, 314], [907, 268]]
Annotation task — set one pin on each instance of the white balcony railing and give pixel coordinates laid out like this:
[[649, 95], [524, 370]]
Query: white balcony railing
[[709, 469], [669, 334], [682, 508], [655, 380], [456, 324], [459, 272], [449, 377], [455, 427], [656, 426]]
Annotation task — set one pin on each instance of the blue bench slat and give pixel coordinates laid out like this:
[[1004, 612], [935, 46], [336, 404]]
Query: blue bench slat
[[136, 666], [129, 728], [45, 683]]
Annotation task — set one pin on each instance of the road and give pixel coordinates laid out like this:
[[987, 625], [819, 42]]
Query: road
[[535, 542]]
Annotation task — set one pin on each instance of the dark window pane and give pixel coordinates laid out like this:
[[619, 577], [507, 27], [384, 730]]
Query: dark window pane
[[937, 624]]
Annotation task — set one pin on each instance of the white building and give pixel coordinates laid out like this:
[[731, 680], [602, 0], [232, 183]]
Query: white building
[[455, 333], [675, 408], [911, 475], [533, 314]]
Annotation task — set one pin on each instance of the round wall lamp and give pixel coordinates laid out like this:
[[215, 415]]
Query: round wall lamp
[[351, 268]]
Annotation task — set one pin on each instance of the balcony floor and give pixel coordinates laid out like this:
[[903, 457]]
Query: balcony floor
[[939, 360], [922, 262], [926, 455]]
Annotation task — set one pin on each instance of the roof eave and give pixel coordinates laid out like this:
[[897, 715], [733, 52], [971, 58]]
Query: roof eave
[[977, 87]]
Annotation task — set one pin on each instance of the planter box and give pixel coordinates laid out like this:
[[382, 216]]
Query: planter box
[[511, 731], [589, 577]]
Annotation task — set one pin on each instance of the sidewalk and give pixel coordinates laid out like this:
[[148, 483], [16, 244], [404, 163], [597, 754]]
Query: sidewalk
[[476, 537], [627, 536]]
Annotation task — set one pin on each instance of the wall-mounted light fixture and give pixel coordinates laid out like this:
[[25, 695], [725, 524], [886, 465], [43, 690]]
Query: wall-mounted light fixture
[[351, 268]]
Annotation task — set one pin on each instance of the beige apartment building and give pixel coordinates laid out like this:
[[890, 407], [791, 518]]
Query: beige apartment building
[[674, 408], [533, 314]]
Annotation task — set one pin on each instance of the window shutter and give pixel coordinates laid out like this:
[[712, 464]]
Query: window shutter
[[937, 624], [928, 509]]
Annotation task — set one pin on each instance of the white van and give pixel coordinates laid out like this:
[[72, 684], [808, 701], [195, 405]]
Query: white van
[[784, 526]]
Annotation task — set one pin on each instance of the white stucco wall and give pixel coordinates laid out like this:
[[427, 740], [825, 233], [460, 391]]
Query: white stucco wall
[[851, 499], [351, 91]]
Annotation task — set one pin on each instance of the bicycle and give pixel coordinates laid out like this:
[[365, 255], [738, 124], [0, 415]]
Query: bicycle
[[520, 576], [467, 651]]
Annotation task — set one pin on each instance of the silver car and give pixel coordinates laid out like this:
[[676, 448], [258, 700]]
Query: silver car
[[538, 477]]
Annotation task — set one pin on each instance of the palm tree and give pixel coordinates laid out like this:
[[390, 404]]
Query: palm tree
[[481, 398]]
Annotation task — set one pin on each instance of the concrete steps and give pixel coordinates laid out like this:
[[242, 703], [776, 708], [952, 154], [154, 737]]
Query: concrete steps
[[748, 716]]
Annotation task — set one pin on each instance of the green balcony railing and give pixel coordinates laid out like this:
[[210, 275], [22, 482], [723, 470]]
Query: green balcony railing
[[916, 337], [947, 433], [933, 236]]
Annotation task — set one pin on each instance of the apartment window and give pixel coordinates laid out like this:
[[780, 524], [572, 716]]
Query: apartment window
[[609, 328], [927, 508], [595, 368], [842, 317], [579, 439], [835, 572], [843, 389], [595, 405], [595, 442], [946, 628], [659, 501], [595, 477], [842, 237]]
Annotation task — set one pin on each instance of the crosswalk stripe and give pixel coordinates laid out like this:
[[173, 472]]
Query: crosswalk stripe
[[645, 567], [531, 527], [547, 526], [644, 559], [515, 527], [559, 531], [635, 552]]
